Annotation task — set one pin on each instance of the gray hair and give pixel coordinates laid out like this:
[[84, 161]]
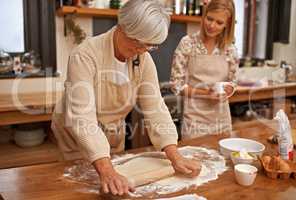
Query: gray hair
[[144, 20]]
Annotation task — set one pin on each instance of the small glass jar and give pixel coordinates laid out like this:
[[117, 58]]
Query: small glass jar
[[6, 62], [31, 62]]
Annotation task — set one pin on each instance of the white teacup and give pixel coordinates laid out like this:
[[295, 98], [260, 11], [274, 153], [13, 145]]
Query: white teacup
[[245, 174], [219, 87]]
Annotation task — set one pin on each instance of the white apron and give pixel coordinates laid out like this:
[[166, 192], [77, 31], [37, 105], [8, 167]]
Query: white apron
[[115, 103], [205, 116]]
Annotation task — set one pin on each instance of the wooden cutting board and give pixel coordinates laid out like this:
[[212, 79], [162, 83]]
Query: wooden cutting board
[[144, 170]]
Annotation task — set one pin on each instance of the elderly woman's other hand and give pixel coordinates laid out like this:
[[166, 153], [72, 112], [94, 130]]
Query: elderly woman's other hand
[[111, 181], [185, 166]]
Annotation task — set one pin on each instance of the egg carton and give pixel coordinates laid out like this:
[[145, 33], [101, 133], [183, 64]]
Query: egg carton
[[278, 174]]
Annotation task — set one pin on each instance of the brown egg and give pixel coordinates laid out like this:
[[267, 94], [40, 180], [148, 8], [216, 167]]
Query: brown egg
[[284, 166], [274, 163], [278, 162]]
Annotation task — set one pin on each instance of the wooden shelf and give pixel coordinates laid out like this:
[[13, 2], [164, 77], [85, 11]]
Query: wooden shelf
[[13, 156], [19, 117], [35, 100], [112, 13], [29, 107], [186, 19]]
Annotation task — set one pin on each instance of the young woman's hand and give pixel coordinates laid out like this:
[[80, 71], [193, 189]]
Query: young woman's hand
[[229, 89]]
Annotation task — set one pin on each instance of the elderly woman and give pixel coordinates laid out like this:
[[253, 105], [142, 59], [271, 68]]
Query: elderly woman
[[107, 74], [201, 61]]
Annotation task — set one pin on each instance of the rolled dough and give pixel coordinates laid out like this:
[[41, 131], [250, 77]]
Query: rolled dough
[[144, 170]]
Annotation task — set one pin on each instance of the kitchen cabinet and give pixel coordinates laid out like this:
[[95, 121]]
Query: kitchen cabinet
[[27, 108]]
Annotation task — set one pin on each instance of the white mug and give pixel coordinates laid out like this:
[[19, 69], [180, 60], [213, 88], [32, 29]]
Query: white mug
[[219, 88]]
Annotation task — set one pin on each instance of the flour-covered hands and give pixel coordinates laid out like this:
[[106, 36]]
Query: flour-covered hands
[[188, 167], [111, 181], [182, 165]]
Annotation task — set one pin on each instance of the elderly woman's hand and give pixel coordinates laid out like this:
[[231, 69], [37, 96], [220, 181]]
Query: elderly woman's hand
[[111, 181], [185, 166]]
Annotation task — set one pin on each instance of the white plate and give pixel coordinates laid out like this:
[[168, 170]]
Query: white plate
[[237, 144]]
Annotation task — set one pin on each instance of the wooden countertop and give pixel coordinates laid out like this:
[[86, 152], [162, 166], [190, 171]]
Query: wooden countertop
[[267, 92], [46, 182]]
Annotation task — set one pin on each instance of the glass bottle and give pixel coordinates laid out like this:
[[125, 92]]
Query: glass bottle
[[5, 62], [197, 7]]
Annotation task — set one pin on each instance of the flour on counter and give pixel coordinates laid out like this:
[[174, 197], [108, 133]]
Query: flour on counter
[[185, 197], [213, 164]]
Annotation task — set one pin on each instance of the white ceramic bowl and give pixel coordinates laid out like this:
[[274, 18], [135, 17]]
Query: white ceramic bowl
[[237, 144], [239, 160], [245, 174], [29, 138]]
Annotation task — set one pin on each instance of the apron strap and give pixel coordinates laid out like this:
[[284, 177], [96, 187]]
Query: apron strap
[[136, 69]]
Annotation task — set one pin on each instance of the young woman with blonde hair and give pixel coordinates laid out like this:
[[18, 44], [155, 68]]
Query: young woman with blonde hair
[[201, 61]]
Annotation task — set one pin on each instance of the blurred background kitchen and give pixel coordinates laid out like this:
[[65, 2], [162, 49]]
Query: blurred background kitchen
[[37, 37]]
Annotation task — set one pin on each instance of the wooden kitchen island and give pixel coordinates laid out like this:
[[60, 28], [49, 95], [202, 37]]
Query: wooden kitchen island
[[46, 181]]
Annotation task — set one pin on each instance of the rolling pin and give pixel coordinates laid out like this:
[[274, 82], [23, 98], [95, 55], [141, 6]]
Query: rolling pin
[[151, 176]]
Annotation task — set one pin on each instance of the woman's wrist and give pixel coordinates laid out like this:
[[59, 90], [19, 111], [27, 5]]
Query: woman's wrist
[[102, 165], [172, 153]]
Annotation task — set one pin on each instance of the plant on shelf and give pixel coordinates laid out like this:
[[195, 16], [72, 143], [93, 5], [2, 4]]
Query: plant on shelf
[[74, 29], [115, 4]]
